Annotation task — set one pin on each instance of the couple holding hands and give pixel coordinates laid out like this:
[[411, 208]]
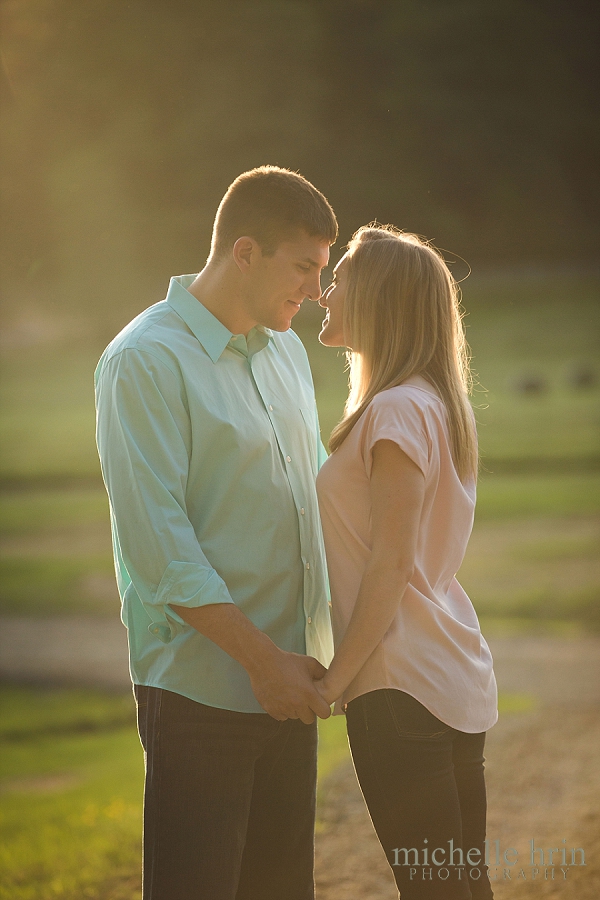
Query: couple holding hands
[[229, 520]]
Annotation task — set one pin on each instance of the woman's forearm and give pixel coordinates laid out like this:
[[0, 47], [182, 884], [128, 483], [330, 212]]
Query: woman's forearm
[[397, 490], [381, 590]]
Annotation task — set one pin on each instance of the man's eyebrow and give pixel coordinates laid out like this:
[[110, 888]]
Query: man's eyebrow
[[311, 262]]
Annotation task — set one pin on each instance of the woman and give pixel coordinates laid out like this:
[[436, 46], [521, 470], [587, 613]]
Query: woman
[[397, 495]]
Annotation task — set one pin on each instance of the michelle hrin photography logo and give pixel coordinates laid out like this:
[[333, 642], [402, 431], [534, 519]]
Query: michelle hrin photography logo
[[528, 862]]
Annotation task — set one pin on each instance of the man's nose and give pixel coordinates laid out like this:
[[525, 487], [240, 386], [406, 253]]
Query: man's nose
[[313, 288]]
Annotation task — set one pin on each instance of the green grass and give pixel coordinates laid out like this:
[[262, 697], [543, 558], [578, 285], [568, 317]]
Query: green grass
[[59, 577], [38, 513], [333, 745], [71, 765], [71, 778], [47, 412], [529, 322], [508, 496], [542, 605], [32, 512], [71, 816], [516, 703], [560, 425], [27, 713], [40, 586], [71, 775], [540, 569], [517, 322], [57, 554]]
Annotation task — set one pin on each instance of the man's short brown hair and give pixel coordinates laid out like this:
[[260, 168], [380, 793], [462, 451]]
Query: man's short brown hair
[[270, 205]]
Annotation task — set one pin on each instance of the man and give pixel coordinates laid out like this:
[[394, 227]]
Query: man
[[209, 443]]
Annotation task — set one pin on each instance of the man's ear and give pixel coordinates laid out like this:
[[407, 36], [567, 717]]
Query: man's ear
[[245, 252]]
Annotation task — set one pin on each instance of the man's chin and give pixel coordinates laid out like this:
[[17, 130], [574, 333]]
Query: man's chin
[[283, 324]]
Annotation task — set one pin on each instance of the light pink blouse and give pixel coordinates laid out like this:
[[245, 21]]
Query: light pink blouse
[[434, 649]]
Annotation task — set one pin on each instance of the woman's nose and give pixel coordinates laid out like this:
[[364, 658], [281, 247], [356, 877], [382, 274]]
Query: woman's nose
[[323, 297]]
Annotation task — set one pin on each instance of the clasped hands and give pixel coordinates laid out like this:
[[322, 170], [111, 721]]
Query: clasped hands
[[292, 686]]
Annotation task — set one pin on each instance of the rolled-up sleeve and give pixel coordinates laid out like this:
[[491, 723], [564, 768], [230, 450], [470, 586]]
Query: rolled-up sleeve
[[144, 442]]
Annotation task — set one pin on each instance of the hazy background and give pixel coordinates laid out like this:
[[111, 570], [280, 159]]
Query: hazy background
[[473, 123], [124, 122]]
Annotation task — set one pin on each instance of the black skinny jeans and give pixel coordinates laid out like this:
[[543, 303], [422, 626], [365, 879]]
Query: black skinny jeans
[[424, 786]]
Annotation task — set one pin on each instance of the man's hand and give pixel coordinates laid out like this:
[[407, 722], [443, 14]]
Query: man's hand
[[284, 686], [282, 682]]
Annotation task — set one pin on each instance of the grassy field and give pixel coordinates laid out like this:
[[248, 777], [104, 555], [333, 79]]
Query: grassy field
[[518, 325], [71, 778], [541, 453], [543, 530], [71, 766]]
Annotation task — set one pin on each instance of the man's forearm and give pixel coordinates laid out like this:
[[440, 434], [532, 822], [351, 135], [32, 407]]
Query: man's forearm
[[227, 626], [282, 682]]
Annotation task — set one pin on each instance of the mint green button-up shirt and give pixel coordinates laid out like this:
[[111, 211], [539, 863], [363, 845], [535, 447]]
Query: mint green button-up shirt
[[209, 444]]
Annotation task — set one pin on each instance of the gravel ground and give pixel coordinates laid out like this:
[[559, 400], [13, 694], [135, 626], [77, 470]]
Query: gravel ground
[[542, 765]]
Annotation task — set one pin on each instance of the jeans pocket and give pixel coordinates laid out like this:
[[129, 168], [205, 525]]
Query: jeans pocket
[[412, 720]]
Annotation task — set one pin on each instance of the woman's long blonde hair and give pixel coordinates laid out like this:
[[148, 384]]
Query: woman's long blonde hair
[[402, 318]]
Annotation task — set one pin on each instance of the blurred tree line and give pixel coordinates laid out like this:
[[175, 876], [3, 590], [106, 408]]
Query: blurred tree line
[[474, 123]]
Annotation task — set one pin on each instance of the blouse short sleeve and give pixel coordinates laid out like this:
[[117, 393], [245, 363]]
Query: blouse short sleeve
[[394, 416]]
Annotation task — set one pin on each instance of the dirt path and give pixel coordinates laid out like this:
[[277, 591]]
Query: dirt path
[[79, 650], [543, 775], [543, 765], [93, 650]]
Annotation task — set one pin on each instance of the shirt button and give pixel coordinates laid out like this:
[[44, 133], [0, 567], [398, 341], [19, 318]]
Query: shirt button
[[308, 565], [288, 458], [302, 511], [270, 407], [309, 620]]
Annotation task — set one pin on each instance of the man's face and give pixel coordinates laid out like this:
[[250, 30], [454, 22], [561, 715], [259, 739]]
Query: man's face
[[276, 285]]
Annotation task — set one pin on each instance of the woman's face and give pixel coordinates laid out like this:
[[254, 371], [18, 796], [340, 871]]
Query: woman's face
[[332, 332]]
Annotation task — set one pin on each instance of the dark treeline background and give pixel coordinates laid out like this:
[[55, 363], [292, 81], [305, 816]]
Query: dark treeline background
[[473, 122]]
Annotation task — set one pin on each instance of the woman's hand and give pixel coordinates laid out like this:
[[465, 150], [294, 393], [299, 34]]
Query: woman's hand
[[326, 690]]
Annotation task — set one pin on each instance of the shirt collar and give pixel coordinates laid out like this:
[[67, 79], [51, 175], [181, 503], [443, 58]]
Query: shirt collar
[[211, 333]]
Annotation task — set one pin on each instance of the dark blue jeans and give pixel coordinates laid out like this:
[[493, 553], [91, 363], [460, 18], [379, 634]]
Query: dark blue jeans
[[229, 802], [424, 786]]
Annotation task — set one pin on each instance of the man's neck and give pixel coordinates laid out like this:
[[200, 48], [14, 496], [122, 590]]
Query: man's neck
[[217, 288]]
